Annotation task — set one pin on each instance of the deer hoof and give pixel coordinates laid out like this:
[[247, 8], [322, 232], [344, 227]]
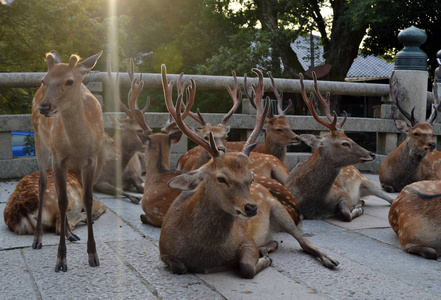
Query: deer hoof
[[73, 238], [331, 263], [37, 245], [135, 200], [94, 262], [61, 267]]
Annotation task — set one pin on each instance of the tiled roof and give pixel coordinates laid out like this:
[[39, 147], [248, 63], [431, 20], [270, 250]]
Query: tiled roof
[[363, 68]]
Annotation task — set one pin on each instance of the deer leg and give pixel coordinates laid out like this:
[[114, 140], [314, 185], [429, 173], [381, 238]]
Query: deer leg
[[268, 248], [347, 213], [369, 188], [176, 266], [423, 251], [42, 158], [249, 261], [87, 175], [282, 220], [107, 188], [60, 175]]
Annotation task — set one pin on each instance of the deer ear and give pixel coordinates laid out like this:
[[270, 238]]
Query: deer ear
[[89, 63], [311, 140], [175, 137], [402, 126], [186, 182]]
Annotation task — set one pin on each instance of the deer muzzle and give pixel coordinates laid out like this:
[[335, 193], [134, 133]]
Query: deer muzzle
[[250, 210], [44, 109]]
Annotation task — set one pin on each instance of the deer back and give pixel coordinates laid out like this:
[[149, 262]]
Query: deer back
[[415, 217]]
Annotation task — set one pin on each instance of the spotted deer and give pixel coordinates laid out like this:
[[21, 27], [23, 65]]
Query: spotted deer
[[313, 182], [278, 134], [406, 164], [260, 163], [223, 219], [129, 132], [21, 209], [415, 216], [68, 125]]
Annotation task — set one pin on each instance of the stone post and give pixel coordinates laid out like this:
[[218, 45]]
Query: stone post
[[411, 74], [437, 81]]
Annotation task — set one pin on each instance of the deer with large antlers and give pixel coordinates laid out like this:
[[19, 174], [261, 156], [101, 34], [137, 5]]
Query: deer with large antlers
[[278, 134], [260, 163], [407, 164], [158, 196], [224, 219], [21, 209], [314, 182], [68, 125], [131, 135]]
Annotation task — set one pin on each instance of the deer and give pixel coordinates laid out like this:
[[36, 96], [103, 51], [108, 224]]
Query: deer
[[314, 183], [158, 196], [406, 164], [68, 126], [131, 135], [260, 163], [223, 219], [415, 217], [20, 213], [278, 134]]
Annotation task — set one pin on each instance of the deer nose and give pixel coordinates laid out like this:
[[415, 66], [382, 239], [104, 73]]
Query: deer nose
[[432, 146], [372, 155], [222, 149], [44, 109], [250, 210]]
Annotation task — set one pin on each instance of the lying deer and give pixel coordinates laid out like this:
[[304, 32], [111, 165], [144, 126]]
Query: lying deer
[[21, 209], [260, 163], [405, 164], [278, 134], [313, 182], [68, 125], [130, 134], [416, 216], [223, 219]]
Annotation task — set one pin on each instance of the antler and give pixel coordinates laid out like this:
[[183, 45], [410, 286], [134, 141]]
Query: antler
[[260, 114], [394, 92], [135, 89], [436, 102], [115, 93], [279, 97], [308, 101], [176, 114], [236, 99]]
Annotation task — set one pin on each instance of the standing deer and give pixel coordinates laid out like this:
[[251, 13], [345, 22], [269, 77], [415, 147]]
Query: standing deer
[[224, 219], [405, 164], [278, 134], [415, 216], [21, 209], [68, 125], [130, 134], [314, 183]]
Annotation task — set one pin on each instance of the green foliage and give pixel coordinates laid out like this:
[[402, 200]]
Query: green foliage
[[29, 145]]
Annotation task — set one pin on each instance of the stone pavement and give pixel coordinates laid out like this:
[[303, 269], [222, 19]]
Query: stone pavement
[[372, 263]]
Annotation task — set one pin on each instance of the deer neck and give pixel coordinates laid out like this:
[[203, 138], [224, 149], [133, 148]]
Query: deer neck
[[205, 211], [157, 156], [277, 150], [314, 178], [409, 160], [127, 149]]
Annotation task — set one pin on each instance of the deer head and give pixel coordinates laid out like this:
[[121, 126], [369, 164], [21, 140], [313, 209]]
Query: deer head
[[226, 177], [61, 80], [419, 135], [343, 150]]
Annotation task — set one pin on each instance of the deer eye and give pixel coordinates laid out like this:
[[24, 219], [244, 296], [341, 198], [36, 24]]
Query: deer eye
[[221, 179], [416, 134], [139, 131], [345, 144], [279, 130], [69, 82]]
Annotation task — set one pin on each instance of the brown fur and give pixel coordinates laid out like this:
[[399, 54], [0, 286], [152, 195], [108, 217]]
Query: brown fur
[[402, 166], [68, 125], [415, 216], [21, 209]]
